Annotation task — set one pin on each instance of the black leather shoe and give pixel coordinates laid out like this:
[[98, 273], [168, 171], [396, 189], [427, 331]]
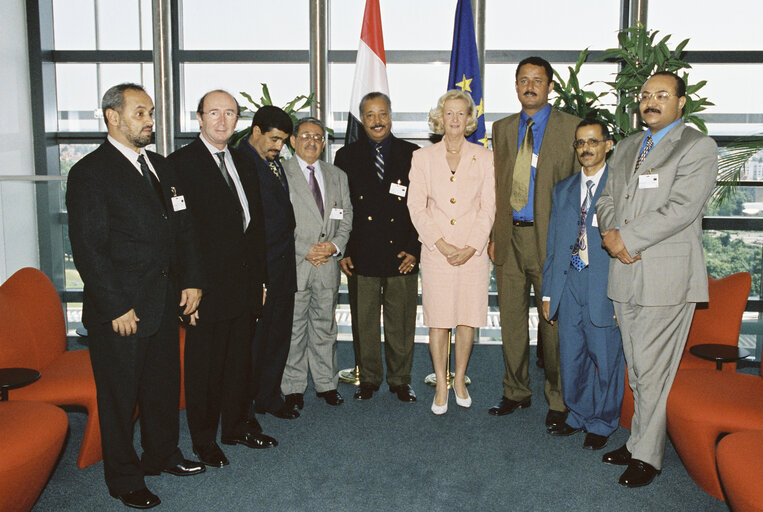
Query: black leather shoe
[[211, 455], [507, 406], [594, 441], [564, 430], [286, 413], [252, 425], [404, 392], [295, 400], [364, 392], [142, 498], [254, 440], [332, 397], [619, 457], [185, 468], [638, 474], [555, 419]]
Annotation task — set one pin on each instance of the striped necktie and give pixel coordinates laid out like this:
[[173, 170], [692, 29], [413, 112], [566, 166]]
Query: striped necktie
[[579, 257], [379, 163], [644, 152]]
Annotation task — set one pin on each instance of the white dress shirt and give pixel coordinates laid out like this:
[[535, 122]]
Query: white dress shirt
[[231, 167]]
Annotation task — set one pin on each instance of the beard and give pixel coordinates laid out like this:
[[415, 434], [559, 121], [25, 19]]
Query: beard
[[140, 140]]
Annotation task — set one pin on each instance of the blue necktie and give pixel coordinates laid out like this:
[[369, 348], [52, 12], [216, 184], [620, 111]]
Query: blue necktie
[[579, 257]]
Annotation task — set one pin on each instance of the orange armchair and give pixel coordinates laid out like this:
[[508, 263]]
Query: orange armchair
[[31, 437], [740, 466], [33, 335], [718, 321]]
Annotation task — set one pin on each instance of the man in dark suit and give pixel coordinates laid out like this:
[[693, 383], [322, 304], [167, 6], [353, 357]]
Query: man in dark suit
[[223, 197], [383, 250], [575, 293], [532, 151], [270, 348], [134, 246]]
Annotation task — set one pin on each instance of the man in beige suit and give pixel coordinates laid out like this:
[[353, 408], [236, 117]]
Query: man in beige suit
[[532, 151], [320, 197], [650, 218]]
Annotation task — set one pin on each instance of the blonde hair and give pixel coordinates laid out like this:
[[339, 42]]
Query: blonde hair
[[435, 115]]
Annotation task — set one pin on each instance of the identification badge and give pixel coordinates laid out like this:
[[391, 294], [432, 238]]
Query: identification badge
[[337, 214], [649, 181], [595, 221], [397, 189], [535, 160], [178, 203]]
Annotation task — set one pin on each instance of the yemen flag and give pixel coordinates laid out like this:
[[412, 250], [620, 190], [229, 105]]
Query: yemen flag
[[465, 67], [370, 68]]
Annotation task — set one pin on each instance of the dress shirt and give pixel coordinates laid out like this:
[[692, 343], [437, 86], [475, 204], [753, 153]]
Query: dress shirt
[[386, 145], [132, 156], [596, 178], [657, 137], [538, 129], [233, 173]]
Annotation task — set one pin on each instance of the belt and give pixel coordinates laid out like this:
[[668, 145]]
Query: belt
[[522, 223]]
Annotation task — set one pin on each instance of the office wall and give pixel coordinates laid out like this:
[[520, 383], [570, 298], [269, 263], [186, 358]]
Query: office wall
[[18, 227]]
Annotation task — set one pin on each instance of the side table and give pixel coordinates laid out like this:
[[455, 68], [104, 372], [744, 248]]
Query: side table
[[12, 378], [718, 353]]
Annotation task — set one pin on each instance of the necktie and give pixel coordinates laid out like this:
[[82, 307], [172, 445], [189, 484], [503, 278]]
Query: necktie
[[520, 187], [644, 152], [151, 180], [231, 185], [315, 189], [279, 174], [379, 163], [579, 257]]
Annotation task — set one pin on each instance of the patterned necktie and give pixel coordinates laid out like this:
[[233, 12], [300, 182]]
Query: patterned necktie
[[151, 180], [579, 257], [279, 174], [644, 152], [520, 187], [231, 186], [315, 189], [379, 163]]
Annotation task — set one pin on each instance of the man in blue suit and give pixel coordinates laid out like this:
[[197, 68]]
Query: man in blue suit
[[575, 293]]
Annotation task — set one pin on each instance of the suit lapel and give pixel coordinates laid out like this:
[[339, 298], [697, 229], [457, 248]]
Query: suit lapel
[[299, 187], [129, 172], [662, 150]]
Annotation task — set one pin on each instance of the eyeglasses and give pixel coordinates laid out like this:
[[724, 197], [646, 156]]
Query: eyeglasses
[[317, 137], [659, 96], [217, 114], [583, 142]]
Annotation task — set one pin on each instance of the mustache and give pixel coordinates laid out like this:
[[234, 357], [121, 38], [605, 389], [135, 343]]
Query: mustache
[[586, 153], [652, 109], [529, 93], [378, 125]]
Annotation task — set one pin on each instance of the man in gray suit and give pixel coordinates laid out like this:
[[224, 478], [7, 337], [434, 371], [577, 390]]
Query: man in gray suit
[[650, 218], [320, 197]]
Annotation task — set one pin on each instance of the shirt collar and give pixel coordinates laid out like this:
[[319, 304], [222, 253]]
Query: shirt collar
[[657, 137], [128, 153], [539, 117], [596, 178], [212, 149], [303, 165]]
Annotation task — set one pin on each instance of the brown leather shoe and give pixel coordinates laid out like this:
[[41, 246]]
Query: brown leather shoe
[[507, 406], [638, 474], [619, 457]]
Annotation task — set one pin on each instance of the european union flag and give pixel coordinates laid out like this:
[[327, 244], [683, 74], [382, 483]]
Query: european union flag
[[464, 65]]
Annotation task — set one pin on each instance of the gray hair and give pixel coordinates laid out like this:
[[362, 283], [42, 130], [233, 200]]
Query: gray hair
[[305, 120], [372, 96], [115, 96]]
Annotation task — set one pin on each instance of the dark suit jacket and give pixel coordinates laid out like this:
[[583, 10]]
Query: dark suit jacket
[[279, 223], [381, 224], [562, 234], [234, 260], [556, 161], [127, 247]]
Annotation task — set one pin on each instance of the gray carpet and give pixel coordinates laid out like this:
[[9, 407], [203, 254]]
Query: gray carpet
[[384, 455]]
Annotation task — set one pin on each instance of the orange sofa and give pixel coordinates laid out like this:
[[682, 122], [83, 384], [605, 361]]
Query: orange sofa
[[31, 437], [740, 466]]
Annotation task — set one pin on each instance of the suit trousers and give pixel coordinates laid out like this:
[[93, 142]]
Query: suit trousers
[[653, 342], [142, 371], [313, 342], [397, 298], [270, 348], [521, 269], [591, 361], [217, 355]]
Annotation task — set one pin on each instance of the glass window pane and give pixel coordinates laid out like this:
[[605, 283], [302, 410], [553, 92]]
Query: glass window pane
[[558, 25], [731, 26], [74, 25], [285, 82], [244, 25], [728, 252], [126, 33]]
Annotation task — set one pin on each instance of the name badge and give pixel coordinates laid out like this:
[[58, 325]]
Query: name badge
[[595, 221], [535, 160], [178, 203], [397, 189], [337, 214], [649, 181]]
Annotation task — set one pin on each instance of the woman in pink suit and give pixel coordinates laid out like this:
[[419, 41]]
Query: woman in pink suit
[[452, 203]]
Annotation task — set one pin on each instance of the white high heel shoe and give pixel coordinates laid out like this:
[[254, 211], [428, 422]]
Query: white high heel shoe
[[440, 409], [463, 402]]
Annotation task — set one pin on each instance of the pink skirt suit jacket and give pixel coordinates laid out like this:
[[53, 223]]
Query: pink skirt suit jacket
[[460, 209]]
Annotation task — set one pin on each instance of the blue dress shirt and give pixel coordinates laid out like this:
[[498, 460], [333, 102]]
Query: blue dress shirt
[[539, 128]]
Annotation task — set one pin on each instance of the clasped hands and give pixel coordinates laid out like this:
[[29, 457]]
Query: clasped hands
[[190, 298], [408, 261], [320, 253], [613, 243], [453, 254]]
